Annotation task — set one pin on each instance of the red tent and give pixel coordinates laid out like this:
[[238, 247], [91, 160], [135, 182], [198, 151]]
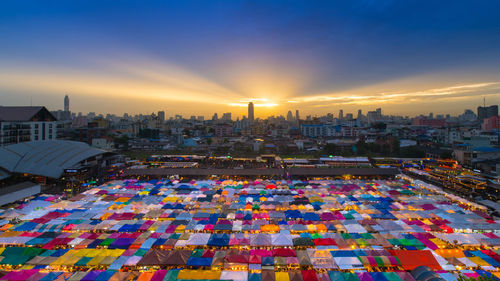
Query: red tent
[[415, 258]]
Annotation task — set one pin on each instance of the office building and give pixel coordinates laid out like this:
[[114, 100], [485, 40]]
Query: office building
[[250, 112], [484, 112], [66, 103], [161, 116]]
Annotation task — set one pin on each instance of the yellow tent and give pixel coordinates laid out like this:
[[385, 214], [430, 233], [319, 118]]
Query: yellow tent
[[479, 261], [282, 276], [96, 260], [198, 274], [440, 243]]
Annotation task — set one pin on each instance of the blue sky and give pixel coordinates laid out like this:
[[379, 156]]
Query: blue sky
[[197, 57]]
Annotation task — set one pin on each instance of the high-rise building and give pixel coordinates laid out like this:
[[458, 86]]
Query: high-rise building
[[66, 103], [65, 114], [484, 112], [374, 116], [250, 112], [360, 114], [341, 114], [329, 117], [161, 116], [297, 115], [226, 116], [289, 116]]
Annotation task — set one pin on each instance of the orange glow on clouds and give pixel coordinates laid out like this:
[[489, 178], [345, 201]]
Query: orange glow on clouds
[[147, 85]]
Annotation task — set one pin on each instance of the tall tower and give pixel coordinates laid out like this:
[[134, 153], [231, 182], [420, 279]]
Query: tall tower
[[341, 114], [297, 115], [161, 116], [66, 103], [250, 112]]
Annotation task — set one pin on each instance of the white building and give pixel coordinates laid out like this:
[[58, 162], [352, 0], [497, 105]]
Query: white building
[[25, 124]]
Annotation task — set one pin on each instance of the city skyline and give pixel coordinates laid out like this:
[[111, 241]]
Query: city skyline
[[251, 113], [317, 58]]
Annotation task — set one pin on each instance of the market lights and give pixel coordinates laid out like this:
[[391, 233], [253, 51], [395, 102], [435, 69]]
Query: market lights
[[318, 229]]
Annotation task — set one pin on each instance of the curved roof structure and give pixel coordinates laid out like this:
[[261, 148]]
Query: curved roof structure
[[45, 158]]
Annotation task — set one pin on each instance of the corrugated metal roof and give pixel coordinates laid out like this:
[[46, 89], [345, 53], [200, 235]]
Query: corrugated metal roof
[[4, 174], [45, 158]]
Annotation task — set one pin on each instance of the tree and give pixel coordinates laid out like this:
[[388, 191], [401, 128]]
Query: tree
[[330, 149], [412, 152], [446, 155], [121, 142], [380, 126], [361, 147], [395, 146], [209, 141]]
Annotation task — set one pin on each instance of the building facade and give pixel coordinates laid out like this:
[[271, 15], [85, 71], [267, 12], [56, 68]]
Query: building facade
[[26, 124], [484, 112]]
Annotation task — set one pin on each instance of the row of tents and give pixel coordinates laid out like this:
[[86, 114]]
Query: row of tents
[[237, 230]]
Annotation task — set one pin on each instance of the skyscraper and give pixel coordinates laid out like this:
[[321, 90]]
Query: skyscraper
[[297, 115], [66, 103], [484, 112], [161, 116], [226, 116], [250, 112], [289, 116], [341, 114]]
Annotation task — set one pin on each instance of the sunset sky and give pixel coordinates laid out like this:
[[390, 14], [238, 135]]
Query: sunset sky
[[201, 57]]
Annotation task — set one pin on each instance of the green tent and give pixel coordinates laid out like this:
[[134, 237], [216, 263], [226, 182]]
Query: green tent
[[107, 241], [336, 275], [316, 236], [367, 235], [171, 275], [83, 261], [392, 276], [348, 276]]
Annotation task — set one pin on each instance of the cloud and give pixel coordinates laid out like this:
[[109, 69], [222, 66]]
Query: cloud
[[455, 92], [257, 102], [146, 78]]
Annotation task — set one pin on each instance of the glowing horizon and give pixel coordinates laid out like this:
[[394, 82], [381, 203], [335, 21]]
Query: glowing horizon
[[171, 57]]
